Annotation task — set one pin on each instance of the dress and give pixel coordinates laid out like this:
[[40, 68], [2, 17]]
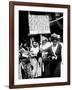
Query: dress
[[34, 62], [24, 64]]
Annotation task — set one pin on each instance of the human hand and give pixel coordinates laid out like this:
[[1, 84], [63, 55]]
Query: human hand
[[53, 57]]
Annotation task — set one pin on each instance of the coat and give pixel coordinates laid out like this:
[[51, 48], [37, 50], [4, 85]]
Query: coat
[[53, 66]]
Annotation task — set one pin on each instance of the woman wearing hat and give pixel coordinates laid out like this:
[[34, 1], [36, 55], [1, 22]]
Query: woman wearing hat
[[54, 58]]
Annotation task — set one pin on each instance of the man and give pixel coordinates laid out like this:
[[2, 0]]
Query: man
[[54, 58]]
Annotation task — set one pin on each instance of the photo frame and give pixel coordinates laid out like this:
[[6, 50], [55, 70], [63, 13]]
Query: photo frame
[[37, 18]]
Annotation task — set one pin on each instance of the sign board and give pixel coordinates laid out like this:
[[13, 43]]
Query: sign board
[[39, 24]]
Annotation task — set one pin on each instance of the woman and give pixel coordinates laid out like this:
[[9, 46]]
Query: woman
[[33, 59], [24, 62], [54, 58]]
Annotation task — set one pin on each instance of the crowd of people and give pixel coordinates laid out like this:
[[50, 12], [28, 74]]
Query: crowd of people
[[40, 60]]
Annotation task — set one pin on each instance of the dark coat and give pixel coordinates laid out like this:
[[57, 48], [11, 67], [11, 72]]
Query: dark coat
[[53, 67]]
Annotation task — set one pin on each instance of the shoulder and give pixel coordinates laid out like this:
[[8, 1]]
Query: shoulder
[[59, 45], [49, 48]]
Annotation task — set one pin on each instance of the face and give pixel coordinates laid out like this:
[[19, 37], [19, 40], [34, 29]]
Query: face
[[35, 44], [23, 63], [44, 42], [54, 42]]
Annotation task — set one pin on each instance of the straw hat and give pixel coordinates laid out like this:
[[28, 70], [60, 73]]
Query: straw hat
[[43, 38], [54, 36]]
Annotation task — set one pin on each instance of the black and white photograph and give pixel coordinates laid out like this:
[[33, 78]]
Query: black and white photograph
[[40, 44]]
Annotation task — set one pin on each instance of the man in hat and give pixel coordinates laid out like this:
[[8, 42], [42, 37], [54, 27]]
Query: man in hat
[[54, 58]]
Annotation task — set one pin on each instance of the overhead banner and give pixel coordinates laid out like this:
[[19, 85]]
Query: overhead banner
[[39, 24]]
